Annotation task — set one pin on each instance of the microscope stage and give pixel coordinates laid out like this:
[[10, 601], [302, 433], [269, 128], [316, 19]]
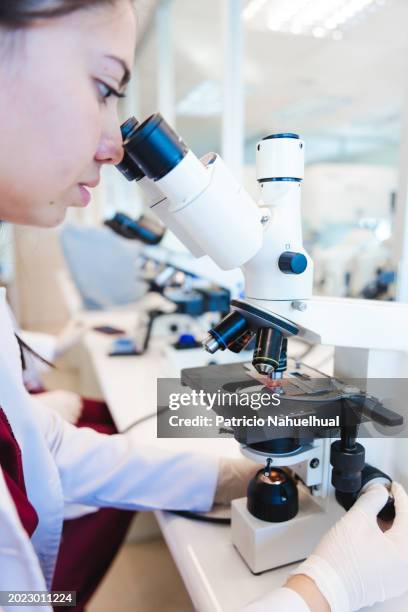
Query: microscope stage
[[308, 403]]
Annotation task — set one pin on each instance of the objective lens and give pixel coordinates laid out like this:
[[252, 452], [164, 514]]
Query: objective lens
[[268, 350], [155, 147], [128, 167], [242, 342], [226, 333], [143, 229]]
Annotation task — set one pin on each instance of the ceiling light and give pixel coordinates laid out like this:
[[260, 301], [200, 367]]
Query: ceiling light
[[252, 8], [318, 18]]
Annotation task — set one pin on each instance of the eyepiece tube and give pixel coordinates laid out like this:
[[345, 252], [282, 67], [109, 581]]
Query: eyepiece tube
[[204, 198], [155, 147], [128, 167], [156, 199], [165, 159]]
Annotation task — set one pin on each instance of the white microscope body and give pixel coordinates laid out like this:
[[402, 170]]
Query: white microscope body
[[211, 213], [370, 340]]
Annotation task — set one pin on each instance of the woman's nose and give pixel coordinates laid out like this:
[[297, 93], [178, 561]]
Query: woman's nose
[[110, 150]]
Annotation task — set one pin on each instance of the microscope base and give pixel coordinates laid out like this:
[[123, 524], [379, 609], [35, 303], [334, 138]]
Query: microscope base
[[265, 546]]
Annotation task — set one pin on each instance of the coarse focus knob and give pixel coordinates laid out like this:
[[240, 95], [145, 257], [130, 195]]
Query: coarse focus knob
[[292, 263], [272, 496]]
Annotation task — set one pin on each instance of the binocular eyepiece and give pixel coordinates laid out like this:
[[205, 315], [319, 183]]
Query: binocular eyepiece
[[128, 167], [152, 148]]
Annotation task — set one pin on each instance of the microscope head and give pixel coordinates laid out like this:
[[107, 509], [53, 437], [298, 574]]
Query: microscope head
[[203, 204]]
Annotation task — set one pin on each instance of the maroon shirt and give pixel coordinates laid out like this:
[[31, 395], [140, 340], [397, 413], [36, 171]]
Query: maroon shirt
[[12, 467]]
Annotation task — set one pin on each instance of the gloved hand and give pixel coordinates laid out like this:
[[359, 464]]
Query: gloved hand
[[66, 403], [355, 563], [233, 478]]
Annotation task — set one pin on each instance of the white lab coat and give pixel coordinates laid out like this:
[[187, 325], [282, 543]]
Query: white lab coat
[[65, 464]]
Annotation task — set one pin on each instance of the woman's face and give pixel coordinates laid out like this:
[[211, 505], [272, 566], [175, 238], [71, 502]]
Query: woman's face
[[58, 116]]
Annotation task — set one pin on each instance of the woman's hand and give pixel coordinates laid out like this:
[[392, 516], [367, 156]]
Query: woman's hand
[[66, 403], [356, 564], [233, 479]]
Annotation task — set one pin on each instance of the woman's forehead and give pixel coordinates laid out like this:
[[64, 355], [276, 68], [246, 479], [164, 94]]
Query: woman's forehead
[[109, 28]]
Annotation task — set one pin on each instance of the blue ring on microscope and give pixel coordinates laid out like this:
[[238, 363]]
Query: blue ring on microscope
[[277, 179], [282, 135]]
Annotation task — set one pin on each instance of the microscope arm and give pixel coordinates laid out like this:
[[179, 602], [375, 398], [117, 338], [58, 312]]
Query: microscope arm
[[344, 322]]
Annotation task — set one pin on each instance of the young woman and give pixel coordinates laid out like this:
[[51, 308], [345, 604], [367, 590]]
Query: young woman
[[64, 64]]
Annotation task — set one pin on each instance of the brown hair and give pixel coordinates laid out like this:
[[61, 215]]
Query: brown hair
[[21, 13]]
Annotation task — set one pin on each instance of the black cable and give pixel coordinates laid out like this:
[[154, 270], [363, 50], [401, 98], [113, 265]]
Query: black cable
[[201, 517]]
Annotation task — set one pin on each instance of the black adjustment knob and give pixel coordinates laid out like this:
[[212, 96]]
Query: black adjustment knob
[[292, 263], [369, 475], [272, 496], [347, 467]]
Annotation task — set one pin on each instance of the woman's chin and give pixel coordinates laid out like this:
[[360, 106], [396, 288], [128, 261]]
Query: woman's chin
[[53, 216]]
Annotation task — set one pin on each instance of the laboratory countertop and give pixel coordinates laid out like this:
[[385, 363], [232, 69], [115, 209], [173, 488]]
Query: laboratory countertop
[[214, 574]]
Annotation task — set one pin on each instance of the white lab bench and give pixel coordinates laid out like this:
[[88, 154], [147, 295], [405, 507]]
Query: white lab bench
[[214, 574]]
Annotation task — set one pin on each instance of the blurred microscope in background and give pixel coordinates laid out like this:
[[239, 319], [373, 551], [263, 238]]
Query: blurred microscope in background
[[182, 299]]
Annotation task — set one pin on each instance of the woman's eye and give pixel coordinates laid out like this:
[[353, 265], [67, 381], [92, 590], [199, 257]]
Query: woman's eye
[[105, 91]]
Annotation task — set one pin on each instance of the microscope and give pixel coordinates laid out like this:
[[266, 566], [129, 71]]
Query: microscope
[[310, 475]]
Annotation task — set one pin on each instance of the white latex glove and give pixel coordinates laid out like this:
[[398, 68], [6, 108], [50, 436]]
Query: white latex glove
[[356, 564], [66, 403], [233, 478]]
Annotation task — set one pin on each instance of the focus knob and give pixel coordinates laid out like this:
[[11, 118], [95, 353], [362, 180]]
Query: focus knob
[[292, 263]]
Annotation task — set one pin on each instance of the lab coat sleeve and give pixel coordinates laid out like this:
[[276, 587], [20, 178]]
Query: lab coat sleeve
[[116, 471], [280, 600]]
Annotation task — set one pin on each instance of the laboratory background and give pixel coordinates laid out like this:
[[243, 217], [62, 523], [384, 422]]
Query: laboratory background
[[123, 299]]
